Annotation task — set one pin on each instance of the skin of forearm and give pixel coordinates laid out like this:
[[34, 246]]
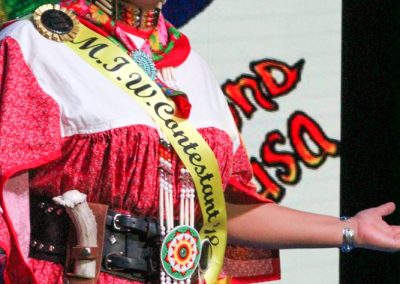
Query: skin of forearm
[[275, 226]]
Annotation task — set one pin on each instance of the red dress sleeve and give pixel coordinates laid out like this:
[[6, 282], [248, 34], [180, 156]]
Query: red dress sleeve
[[244, 264], [29, 137], [241, 189]]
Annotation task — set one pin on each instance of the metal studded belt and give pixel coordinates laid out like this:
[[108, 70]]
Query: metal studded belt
[[131, 244]]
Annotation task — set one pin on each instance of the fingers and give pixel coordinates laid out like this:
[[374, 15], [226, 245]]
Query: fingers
[[395, 229], [386, 209]]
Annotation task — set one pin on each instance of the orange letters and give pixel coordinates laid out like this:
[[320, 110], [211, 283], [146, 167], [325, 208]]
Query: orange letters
[[310, 146]]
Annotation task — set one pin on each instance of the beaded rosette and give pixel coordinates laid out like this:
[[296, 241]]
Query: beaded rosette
[[180, 252]]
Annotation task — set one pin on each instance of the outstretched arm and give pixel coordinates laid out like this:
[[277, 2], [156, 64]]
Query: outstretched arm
[[275, 226]]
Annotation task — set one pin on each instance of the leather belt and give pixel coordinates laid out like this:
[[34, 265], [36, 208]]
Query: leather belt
[[49, 230], [126, 223], [131, 244]]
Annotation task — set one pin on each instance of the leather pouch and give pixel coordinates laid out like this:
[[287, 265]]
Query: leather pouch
[[75, 252]]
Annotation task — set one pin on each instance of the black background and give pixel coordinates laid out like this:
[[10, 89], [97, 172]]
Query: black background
[[370, 171]]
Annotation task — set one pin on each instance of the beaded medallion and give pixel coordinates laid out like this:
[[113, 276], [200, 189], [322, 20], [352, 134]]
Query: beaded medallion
[[180, 252]]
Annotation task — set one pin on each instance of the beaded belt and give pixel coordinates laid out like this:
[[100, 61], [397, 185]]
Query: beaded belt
[[131, 244]]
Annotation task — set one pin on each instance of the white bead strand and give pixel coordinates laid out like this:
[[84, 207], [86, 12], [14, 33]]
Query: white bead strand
[[186, 202]]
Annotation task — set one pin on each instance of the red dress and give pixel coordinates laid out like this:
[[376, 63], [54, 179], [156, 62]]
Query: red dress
[[71, 129]]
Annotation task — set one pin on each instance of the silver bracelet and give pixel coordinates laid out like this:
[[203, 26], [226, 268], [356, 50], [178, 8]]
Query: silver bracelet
[[348, 238]]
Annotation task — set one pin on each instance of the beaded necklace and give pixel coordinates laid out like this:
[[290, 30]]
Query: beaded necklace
[[138, 18], [162, 41], [165, 46], [180, 251]]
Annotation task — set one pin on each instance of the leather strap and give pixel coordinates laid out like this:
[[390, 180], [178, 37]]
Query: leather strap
[[84, 253], [127, 223], [118, 262]]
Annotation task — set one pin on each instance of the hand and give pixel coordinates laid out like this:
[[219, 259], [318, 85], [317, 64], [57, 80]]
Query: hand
[[372, 232]]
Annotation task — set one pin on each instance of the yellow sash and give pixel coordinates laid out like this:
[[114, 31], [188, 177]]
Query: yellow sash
[[103, 55]]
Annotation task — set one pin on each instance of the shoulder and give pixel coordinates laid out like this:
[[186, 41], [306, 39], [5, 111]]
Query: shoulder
[[12, 39], [19, 31], [33, 45]]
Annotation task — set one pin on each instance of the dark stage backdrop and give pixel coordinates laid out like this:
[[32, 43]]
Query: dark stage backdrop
[[370, 172]]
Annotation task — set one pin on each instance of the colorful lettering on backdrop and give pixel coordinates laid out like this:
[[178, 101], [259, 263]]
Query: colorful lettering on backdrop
[[310, 146]]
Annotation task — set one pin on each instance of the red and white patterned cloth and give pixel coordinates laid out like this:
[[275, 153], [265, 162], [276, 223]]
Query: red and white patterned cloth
[[70, 128]]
